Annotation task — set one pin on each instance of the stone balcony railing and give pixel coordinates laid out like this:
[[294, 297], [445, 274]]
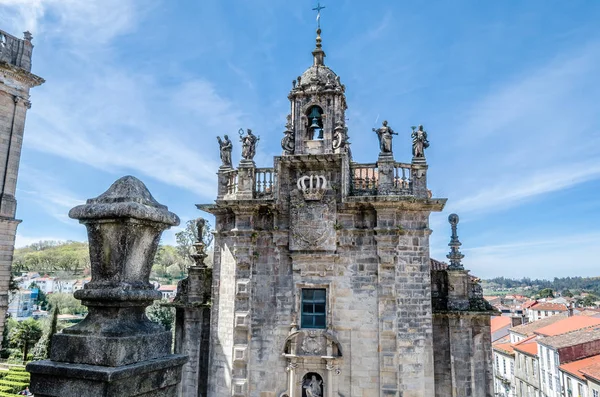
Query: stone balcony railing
[[373, 179]]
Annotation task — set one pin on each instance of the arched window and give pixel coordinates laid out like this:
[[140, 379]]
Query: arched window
[[315, 123]]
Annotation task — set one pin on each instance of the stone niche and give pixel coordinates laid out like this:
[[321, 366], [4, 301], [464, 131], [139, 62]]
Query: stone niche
[[312, 363]]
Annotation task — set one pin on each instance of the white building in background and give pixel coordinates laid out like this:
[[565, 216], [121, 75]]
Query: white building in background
[[542, 310], [20, 304], [504, 369], [168, 291]]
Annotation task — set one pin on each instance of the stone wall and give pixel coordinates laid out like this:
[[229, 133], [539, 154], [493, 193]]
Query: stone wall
[[370, 255]]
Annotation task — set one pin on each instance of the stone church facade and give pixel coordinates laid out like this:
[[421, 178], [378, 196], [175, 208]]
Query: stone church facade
[[15, 81], [322, 282]]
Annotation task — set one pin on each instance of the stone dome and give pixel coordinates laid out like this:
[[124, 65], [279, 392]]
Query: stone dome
[[319, 76]]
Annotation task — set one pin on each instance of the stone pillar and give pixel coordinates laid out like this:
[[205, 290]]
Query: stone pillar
[[116, 350], [385, 166], [192, 327], [418, 177], [246, 181]]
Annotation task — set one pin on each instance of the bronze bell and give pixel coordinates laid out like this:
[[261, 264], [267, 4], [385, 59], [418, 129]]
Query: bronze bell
[[315, 124]]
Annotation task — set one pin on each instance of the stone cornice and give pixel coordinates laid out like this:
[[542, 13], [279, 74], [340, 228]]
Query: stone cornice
[[223, 206], [20, 75], [396, 202]]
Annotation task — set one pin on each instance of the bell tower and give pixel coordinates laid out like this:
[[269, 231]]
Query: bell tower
[[317, 107]]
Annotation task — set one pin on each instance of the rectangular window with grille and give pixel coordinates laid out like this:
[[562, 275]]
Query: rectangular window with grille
[[595, 393], [313, 308]]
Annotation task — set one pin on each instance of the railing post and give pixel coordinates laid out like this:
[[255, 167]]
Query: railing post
[[418, 177], [386, 176], [246, 180]]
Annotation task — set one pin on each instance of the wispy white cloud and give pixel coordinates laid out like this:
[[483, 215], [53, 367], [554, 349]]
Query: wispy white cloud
[[48, 193], [103, 114], [511, 191], [529, 137], [83, 22], [552, 256]]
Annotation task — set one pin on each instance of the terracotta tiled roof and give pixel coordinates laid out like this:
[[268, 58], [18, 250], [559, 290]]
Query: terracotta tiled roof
[[499, 322], [506, 348], [572, 338], [575, 367], [528, 304], [588, 312], [546, 306], [529, 328], [567, 325], [438, 265], [528, 346], [592, 371]]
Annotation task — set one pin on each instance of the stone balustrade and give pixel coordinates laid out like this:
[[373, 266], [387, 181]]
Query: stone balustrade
[[389, 178], [264, 180]]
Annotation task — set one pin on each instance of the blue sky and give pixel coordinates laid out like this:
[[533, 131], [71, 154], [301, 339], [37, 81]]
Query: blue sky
[[508, 92]]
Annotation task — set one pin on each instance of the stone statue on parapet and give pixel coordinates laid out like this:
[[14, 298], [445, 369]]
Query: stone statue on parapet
[[385, 135], [288, 142], [225, 147], [248, 144], [419, 141]]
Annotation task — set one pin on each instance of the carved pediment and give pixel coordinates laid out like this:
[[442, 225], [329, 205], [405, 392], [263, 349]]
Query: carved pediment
[[312, 342]]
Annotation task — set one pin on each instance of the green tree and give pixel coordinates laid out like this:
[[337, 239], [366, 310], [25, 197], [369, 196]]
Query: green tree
[[546, 293], [25, 335], [189, 235], [166, 256], [590, 300], [41, 351], [66, 303], [567, 293], [158, 313]]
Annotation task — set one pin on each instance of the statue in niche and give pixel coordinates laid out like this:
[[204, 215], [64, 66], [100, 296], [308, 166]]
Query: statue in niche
[[225, 147], [288, 141], [385, 135], [419, 141], [248, 144], [340, 136], [313, 387]]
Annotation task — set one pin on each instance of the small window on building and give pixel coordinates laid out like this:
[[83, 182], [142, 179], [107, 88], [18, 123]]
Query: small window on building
[[580, 389], [595, 393], [512, 368], [313, 308]]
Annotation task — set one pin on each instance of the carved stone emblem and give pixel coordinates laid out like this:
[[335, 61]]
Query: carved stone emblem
[[313, 344], [312, 223]]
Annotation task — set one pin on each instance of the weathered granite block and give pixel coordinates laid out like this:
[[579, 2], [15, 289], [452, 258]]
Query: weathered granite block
[[116, 350]]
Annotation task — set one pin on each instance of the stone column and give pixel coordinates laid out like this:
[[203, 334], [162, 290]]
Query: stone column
[[116, 350], [385, 166], [192, 327], [246, 181], [418, 177]]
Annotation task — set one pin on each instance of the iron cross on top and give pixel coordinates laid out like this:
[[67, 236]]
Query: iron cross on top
[[318, 9]]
